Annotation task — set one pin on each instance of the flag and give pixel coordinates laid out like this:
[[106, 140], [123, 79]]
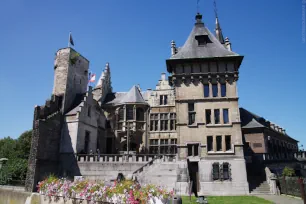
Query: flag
[[71, 40], [92, 78]]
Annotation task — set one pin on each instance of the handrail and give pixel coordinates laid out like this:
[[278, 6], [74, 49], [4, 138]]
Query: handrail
[[146, 164]]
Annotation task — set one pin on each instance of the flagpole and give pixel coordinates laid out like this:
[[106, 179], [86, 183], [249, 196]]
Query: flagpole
[[69, 39]]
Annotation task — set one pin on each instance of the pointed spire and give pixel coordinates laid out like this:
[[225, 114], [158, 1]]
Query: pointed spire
[[218, 31]]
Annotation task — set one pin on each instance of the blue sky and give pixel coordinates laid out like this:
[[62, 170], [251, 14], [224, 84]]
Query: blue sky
[[134, 36]]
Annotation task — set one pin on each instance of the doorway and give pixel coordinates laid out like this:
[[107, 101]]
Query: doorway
[[193, 169]]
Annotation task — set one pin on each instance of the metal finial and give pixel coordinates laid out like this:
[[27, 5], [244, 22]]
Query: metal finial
[[198, 1], [215, 9]]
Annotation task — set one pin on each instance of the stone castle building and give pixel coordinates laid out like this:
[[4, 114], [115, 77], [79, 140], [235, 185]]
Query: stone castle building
[[192, 118]]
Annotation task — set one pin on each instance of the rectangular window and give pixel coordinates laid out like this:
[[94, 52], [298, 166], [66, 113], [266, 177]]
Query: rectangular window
[[206, 90], [209, 143], [225, 116], [191, 114], [223, 90], [191, 119], [154, 122], [219, 143], [129, 113], [225, 171], [173, 141], [190, 107], [164, 121], [121, 114], [164, 141], [163, 100], [216, 170], [215, 90], [189, 146], [154, 142], [172, 125], [228, 143], [208, 116], [217, 116]]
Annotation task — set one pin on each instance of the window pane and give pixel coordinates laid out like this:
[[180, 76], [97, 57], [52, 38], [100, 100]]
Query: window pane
[[191, 118], [161, 100], [208, 116], [225, 171], [223, 90], [219, 143], [215, 90], [190, 106], [165, 99], [206, 90], [210, 143], [156, 126], [130, 114], [217, 116], [196, 149], [189, 146], [228, 142], [121, 114], [215, 171], [225, 116]]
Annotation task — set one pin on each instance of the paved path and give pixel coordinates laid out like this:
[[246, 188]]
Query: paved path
[[281, 199]]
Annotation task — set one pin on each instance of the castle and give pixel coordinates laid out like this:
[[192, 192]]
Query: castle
[[189, 126]]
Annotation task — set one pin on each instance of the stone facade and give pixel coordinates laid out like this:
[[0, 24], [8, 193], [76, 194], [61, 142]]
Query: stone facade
[[192, 118]]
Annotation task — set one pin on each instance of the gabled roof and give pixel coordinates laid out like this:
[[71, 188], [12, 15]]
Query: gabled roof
[[132, 96], [191, 49]]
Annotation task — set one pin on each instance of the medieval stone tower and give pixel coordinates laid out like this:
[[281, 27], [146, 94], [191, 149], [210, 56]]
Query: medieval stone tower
[[70, 75]]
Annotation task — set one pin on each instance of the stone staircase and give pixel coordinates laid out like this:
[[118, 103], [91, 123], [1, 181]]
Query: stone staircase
[[263, 188], [159, 173]]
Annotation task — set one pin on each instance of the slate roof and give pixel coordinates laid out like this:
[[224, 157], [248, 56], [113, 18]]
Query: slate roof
[[191, 49], [250, 120], [132, 96]]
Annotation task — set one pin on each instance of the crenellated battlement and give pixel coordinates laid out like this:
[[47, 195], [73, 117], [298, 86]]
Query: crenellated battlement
[[52, 106]]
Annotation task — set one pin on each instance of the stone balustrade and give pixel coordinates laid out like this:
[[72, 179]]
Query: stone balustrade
[[138, 158]]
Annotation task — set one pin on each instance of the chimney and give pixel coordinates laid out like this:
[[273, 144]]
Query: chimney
[[163, 76]]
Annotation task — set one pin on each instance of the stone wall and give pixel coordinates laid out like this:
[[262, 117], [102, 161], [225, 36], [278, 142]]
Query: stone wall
[[46, 137]]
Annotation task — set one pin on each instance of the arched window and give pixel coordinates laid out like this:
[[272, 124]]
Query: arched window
[[215, 171], [139, 114]]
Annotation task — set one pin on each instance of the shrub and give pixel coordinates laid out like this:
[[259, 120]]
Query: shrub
[[288, 172]]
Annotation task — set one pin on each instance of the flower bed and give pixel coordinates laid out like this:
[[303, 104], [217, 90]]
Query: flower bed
[[126, 191]]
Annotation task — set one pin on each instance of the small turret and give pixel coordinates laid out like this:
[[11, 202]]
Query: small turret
[[228, 44], [173, 48]]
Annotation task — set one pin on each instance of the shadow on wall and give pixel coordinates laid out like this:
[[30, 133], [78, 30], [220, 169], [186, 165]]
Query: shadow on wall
[[68, 165]]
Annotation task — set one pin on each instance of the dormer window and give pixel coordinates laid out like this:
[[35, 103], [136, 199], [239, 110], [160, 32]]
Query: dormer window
[[202, 40]]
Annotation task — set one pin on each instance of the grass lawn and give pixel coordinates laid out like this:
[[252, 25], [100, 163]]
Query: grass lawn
[[229, 200]]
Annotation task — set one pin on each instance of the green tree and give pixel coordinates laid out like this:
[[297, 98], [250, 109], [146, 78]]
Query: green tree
[[288, 172], [17, 151]]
